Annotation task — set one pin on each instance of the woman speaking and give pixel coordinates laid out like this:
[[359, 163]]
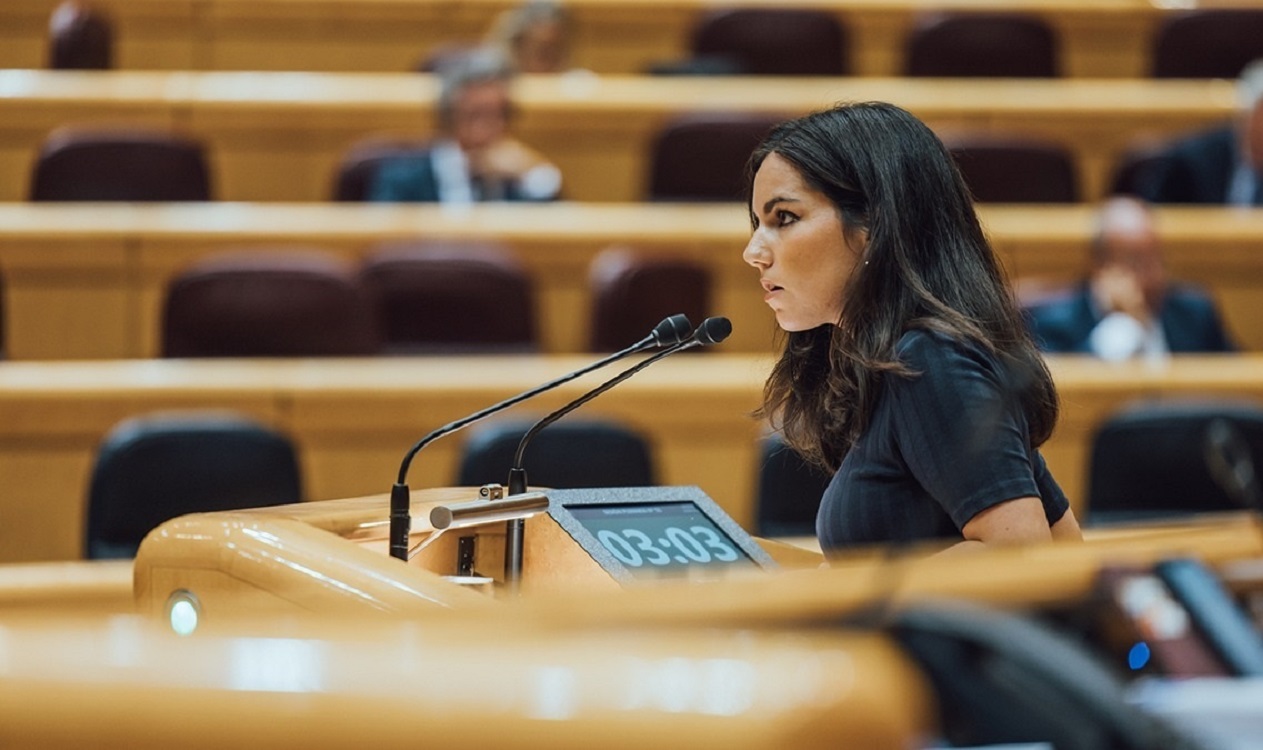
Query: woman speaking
[[907, 369]]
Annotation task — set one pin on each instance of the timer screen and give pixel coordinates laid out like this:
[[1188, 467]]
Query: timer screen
[[657, 539]]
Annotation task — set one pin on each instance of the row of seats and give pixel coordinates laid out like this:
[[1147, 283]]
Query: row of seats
[[1148, 461], [408, 297], [1204, 43], [697, 157]]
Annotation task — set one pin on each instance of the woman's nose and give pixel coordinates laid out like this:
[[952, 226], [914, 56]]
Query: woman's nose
[[756, 253]]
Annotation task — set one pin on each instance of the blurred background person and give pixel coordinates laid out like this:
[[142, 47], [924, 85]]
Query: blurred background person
[[474, 156], [1128, 306], [1223, 165], [534, 38]]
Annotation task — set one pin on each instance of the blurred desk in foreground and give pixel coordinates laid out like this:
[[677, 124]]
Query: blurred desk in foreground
[[1098, 37], [280, 136], [353, 420], [86, 281]]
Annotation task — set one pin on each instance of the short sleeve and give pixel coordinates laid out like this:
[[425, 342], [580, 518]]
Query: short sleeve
[[961, 434]]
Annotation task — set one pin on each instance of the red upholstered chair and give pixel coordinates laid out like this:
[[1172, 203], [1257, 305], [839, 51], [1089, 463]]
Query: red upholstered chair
[[435, 297], [1207, 43], [80, 37], [1137, 170], [702, 156], [268, 304], [976, 45], [1010, 169], [358, 166], [779, 41], [632, 292], [86, 164]]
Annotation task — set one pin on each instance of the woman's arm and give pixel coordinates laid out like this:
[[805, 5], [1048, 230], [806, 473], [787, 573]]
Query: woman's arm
[[1017, 521]]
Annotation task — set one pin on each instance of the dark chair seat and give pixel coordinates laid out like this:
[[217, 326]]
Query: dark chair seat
[[1207, 43], [358, 167], [572, 453], [268, 304], [701, 157], [151, 469], [1171, 458], [453, 297], [633, 291], [89, 164], [774, 41], [1014, 169], [80, 37], [789, 492], [975, 45]]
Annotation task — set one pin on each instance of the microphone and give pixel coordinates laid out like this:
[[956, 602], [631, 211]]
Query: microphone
[[670, 332], [711, 331]]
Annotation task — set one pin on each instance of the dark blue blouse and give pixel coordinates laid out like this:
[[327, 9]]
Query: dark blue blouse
[[941, 446]]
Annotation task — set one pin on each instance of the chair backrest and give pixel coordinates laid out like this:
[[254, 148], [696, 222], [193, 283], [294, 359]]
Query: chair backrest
[[360, 163], [80, 37], [975, 45], [1009, 169], [1138, 170], [702, 157], [1154, 459], [151, 469], [451, 297], [572, 453], [297, 303], [1208, 43], [76, 164], [632, 292], [775, 41], [789, 491]]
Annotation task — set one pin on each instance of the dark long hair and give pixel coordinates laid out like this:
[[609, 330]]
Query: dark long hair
[[927, 265]]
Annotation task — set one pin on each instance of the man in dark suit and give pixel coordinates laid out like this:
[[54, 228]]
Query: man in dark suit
[[1128, 307], [1222, 166], [474, 158]]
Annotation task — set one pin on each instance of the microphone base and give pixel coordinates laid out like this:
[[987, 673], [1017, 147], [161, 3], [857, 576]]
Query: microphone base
[[400, 521]]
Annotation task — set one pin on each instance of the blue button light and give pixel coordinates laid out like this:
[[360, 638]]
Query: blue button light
[[1138, 657]]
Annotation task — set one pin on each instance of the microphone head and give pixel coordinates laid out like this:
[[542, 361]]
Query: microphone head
[[672, 330], [713, 331]]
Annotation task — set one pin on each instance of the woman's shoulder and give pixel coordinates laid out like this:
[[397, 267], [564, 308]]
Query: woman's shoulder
[[925, 350]]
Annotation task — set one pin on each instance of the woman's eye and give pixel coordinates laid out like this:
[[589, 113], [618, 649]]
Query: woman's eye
[[785, 217]]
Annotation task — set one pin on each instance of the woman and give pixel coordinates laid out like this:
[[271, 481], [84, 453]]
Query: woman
[[907, 369]]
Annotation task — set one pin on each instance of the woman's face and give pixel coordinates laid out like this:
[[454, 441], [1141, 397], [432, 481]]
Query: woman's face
[[799, 247]]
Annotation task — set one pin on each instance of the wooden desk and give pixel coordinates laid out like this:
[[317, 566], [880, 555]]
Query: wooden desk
[[280, 136], [86, 281], [352, 420], [1099, 38]]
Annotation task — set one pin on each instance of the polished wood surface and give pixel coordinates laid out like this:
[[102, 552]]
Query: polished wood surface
[[353, 420], [280, 136], [1098, 38], [87, 281], [87, 586], [375, 682]]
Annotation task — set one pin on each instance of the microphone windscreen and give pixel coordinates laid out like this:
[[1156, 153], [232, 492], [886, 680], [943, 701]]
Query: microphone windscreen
[[713, 330], [672, 330]]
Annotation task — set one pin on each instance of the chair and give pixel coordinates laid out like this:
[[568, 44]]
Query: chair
[[79, 164], [360, 163], [789, 493], [268, 304], [1170, 458], [781, 41], [151, 469], [451, 297], [572, 453], [1004, 169], [80, 37], [977, 45], [702, 157], [1138, 170], [632, 292], [1207, 43]]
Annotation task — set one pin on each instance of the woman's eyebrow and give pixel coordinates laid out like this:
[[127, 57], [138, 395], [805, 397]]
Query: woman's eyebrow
[[778, 199]]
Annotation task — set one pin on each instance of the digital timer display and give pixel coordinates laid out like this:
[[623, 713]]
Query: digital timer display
[[659, 539]]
